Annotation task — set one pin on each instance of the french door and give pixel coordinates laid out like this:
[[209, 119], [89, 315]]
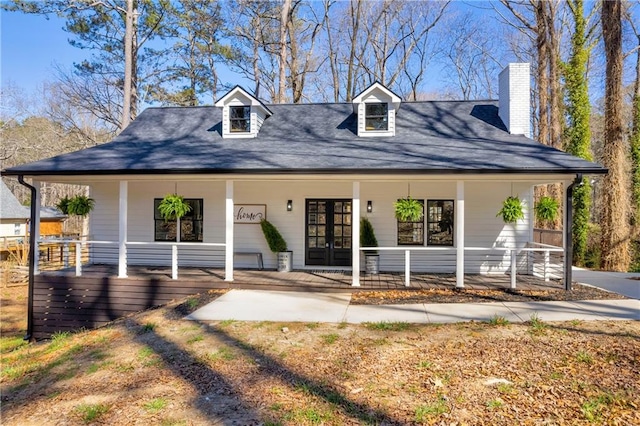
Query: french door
[[328, 232]]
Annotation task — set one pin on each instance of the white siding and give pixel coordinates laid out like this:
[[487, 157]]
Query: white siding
[[482, 227]]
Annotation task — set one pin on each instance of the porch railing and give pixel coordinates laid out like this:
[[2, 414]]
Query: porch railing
[[78, 252], [536, 259]]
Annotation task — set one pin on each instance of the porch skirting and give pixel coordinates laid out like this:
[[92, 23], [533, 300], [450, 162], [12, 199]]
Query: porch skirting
[[64, 302]]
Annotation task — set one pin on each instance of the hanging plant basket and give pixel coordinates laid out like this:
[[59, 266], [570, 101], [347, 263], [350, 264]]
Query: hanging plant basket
[[408, 210], [512, 210], [63, 205], [173, 206], [546, 209], [80, 205]]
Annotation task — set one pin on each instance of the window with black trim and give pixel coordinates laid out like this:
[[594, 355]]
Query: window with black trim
[[376, 116], [190, 224], [411, 233], [240, 119], [440, 222]]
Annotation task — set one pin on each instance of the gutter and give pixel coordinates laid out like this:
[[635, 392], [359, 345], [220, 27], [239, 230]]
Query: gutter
[[568, 233], [32, 258]]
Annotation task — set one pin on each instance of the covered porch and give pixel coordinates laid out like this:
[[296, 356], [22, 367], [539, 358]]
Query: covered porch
[[123, 234]]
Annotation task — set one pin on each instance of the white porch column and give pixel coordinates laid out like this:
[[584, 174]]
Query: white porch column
[[36, 227], [460, 234], [228, 252], [355, 235], [122, 229]]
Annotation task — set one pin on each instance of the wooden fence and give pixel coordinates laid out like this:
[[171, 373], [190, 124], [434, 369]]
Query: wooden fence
[[67, 303]]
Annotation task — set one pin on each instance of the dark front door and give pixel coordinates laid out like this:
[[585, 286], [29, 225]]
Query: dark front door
[[328, 233]]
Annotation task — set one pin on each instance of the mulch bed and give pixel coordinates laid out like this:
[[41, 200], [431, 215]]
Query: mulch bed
[[398, 297]]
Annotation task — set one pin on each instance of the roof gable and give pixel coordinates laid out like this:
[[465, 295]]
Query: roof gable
[[239, 96], [378, 92]]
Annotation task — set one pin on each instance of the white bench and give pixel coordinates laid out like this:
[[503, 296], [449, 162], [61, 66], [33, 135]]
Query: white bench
[[256, 254]]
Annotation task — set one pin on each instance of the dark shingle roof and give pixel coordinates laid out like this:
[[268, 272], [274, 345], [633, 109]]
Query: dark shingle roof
[[431, 137]]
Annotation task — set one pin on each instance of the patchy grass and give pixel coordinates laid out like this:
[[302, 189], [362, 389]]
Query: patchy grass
[[330, 338], [388, 326], [90, 412], [155, 405], [11, 343], [378, 373], [428, 412], [536, 326], [498, 321]]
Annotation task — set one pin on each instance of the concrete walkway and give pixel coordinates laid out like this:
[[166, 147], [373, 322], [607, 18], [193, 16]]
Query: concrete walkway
[[285, 306]]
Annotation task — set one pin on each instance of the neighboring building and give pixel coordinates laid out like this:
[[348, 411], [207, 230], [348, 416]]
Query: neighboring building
[[14, 217], [314, 169]]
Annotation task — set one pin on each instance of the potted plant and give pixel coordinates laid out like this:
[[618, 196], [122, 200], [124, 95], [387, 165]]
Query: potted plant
[[512, 210], [546, 210], [174, 207], [408, 209], [368, 239], [277, 245]]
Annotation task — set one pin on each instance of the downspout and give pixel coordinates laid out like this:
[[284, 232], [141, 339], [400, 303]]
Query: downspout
[[568, 233], [32, 258]]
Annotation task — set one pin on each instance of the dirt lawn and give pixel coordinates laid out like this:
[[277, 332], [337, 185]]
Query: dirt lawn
[[155, 368]]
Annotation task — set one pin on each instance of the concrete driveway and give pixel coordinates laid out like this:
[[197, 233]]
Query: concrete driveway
[[289, 306], [627, 284]]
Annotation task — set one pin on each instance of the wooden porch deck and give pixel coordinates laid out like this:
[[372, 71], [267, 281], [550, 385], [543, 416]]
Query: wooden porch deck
[[321, 280]]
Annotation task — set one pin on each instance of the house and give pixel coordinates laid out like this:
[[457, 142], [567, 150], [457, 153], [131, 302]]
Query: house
[[313, 170], [14, 218]]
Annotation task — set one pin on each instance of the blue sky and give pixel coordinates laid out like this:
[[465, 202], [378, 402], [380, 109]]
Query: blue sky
[[30, 46]]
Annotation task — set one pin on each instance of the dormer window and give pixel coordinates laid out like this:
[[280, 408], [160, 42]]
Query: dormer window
[[240, 118], [242, 114], [376, 116], [376, 108]]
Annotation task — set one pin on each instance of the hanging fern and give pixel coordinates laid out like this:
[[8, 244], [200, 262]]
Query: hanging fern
[[275, 241], [173, 206], [546, 209], [512, 210], [80, 205], [408, 210], [63, 205]]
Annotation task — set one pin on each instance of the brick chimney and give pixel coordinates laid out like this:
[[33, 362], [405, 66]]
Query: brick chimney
[[514, 94]]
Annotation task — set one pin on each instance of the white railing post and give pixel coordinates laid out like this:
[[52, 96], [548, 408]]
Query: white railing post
[[174, 261], [546, 265], [122, 229], [355, 236], [459, 234], [513, 268], [407, 268], [78, 259], [228, 256], [65, 255]]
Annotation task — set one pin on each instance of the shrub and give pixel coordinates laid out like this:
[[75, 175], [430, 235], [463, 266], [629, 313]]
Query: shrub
[[272, 235]]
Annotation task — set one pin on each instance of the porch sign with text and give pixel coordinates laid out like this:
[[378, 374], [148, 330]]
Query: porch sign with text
[[249, 213]]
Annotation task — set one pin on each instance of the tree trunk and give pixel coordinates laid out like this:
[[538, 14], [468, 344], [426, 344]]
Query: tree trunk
[[615, 215], [128, 67], [355, 25], [284, 20]]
